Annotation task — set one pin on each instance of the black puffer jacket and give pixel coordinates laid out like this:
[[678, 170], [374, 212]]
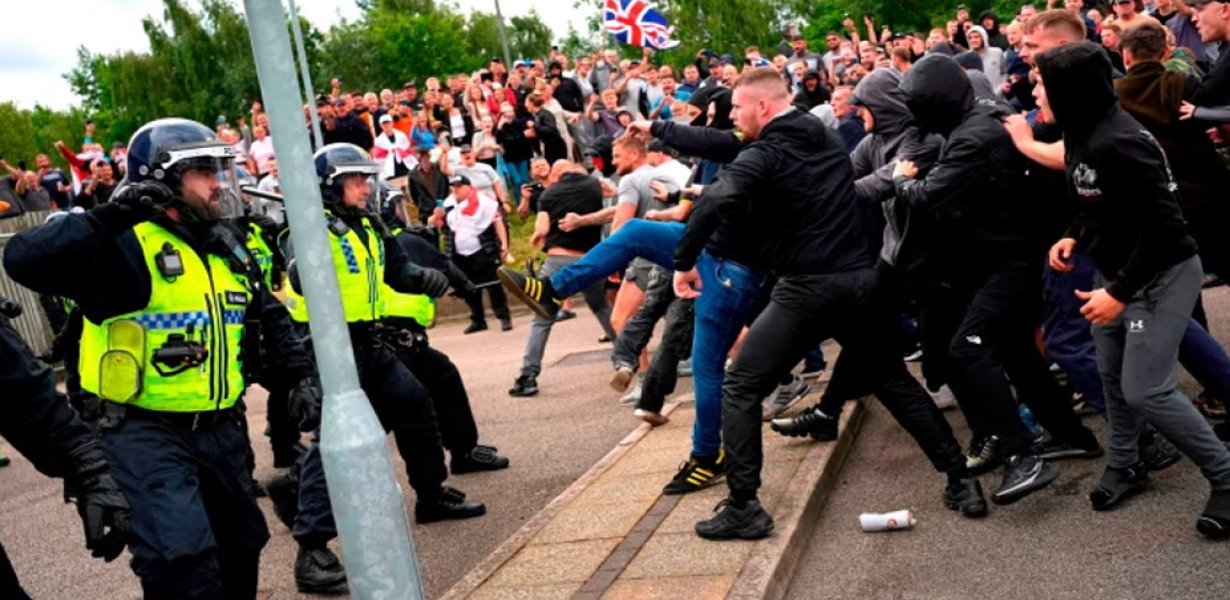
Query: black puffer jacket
[[895, 136], [973, 191], [793, 189], [813, 98], [1127, 203]]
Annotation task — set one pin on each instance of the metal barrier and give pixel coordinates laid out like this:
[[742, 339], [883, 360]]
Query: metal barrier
[[32, 324]]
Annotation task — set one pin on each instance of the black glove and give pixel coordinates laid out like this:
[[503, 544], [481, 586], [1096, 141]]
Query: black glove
[[134, 203], [305, 401], [105, 515]]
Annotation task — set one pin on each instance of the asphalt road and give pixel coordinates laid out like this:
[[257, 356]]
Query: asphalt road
[[551, 440], [1049, 545]]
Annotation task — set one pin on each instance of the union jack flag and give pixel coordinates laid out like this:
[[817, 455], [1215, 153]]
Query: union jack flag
[[636, 23]]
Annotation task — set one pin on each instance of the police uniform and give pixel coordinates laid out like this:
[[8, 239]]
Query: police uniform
[[407, 318], [366, 268], [40, 424], [164, 306]]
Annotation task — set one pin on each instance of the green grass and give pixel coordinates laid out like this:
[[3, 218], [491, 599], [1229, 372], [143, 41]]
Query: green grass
[[519, 241]]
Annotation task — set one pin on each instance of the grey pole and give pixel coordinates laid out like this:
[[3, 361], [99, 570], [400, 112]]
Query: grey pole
[[309, 93], [499, 19], [367, 503]]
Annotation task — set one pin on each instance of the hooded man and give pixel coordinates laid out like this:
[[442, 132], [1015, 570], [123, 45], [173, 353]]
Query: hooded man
[[993, 64], [995, 35], [812, 91], [981, 284], [1129, 219]]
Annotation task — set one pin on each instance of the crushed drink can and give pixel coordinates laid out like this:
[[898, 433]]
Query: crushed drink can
[[900, 519]]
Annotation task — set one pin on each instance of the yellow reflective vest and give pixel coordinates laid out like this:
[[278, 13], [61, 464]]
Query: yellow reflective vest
[[359, 265], [197, 315]]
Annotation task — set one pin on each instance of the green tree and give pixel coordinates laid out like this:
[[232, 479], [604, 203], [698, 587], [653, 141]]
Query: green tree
[[529, 36]]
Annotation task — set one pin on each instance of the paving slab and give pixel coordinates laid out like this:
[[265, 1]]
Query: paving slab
[[615, 535]]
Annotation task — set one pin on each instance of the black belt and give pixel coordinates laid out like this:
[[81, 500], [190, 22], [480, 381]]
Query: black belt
[[188, 420]]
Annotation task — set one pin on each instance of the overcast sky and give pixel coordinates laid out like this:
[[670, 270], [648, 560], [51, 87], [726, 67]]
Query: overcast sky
[[40, 40]]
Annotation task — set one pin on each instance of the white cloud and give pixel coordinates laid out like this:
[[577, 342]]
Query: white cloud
[[35, 55]]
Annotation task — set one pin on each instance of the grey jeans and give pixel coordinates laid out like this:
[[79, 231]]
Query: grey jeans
[[1138, 356], [540, 328]]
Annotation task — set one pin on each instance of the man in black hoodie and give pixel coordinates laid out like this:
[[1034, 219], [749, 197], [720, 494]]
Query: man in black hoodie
[[812, 91], [982, 288], [1129, 220], [812, 240]]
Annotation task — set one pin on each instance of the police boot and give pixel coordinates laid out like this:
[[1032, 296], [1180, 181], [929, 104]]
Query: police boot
[[448, 503], [480, 458], [318, 571]]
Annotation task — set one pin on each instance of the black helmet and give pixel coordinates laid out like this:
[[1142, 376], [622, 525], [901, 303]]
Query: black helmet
[[165, 149], [335, 161]]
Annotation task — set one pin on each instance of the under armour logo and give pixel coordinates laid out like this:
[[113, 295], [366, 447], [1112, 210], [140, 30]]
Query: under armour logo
[[1136, 326], [975, 340]]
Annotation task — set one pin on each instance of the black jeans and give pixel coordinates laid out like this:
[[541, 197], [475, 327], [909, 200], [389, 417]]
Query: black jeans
[[676, 345], [978, 331], [854, 309], [639, 329], [480, 268], [9, 586]]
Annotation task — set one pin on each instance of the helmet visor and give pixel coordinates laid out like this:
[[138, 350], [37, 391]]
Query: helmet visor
[[210, 188]]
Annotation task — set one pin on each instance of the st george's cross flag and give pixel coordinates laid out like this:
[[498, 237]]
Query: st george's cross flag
[[636, 23]]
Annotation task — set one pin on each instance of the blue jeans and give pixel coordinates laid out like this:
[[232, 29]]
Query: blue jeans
[[1065, 332], [649, 240], [727, 292], [1206, 359], [518, 175]]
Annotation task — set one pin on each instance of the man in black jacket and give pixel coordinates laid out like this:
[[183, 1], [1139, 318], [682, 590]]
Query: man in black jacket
[[1128, 217], [812, 240], [982, 288]]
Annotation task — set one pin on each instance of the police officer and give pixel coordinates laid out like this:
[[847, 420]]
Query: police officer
[[404, 329], [40, 424], [165, 285], [365, 262]]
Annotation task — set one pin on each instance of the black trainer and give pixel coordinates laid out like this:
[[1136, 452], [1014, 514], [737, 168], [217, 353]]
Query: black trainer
[[1052, 449], [5, 461], [1023, 475], [984, 455], [318, 571], [526, 385], [965, 495], [1157, 453], [283, 491], [535, 292], [748, 523], [480, 458], [811, 422], [506, 324], [1118, 485], [449, 503], [1214, 522], [698, 473]]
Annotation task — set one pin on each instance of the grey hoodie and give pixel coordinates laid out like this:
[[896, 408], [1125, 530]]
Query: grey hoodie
[[894, 136]]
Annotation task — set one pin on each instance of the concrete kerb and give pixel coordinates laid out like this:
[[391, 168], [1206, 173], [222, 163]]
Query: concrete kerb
[[506, 551], [771, 567]]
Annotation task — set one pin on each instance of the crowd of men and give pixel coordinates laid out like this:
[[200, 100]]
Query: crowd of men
[[940, 197]]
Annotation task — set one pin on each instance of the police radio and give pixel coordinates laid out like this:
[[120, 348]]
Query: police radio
[[178, 354]]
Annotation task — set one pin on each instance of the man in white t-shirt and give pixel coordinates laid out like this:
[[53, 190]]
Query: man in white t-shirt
[[479, 244], [666, 167], [260, 152], [481, 175], [269, 183]]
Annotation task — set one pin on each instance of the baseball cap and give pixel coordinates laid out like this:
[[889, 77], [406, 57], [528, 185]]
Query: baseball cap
[[657, 145], [411, 84], [385, 119], [221, 120], [465, 148], [456, 180]]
